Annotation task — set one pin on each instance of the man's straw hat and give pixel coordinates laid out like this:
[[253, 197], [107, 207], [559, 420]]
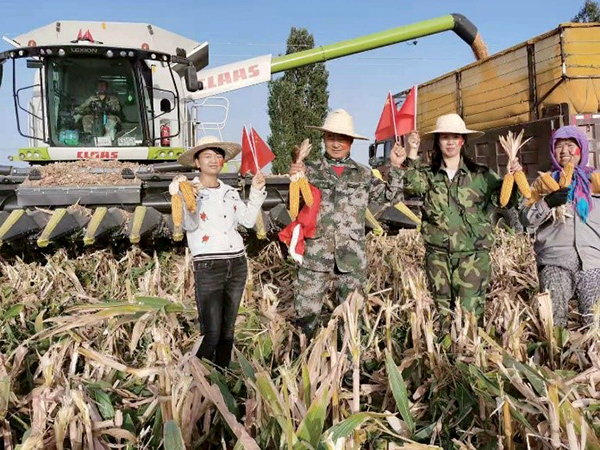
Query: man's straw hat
[[231, 149], [452, 123], [339, 122]]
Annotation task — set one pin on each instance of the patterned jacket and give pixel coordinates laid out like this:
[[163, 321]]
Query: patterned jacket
[[339, 240], [457, 214]]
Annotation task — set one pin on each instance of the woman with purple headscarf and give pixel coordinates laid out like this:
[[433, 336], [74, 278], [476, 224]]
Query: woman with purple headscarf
[[567, 246]]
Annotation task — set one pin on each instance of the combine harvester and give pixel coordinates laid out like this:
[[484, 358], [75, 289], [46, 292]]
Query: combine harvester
[[100, 165]]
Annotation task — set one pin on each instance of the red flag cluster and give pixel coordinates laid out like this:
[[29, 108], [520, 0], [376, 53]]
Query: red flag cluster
[[394, 122], [256, 154]]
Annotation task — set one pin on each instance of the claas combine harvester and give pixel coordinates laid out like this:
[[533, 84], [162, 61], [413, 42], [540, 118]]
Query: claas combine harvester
[[109, 111]]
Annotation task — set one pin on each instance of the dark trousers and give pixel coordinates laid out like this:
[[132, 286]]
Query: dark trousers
[[219, 287]]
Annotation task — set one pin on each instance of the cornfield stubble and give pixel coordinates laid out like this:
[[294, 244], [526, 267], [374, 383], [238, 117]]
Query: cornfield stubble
[[97, 353]]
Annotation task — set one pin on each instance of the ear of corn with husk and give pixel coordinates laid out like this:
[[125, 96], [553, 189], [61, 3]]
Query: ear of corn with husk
[[566, 175], [511, 144], [298, 182], [596, 182]]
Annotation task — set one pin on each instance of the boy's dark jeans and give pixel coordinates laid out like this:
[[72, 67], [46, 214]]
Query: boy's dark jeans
[[219, 287]]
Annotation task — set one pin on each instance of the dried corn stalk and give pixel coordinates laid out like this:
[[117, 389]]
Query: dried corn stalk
[[511, 145]]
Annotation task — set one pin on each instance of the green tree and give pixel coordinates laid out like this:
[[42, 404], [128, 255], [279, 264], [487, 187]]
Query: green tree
[[589, 12], [297, 99]]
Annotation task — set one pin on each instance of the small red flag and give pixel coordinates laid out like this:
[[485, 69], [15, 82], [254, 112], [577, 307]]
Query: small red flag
[[256, 154], [394, 122]]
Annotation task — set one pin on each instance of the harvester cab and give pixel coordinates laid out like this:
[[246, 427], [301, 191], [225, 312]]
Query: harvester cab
[[111, 108], [104, 90]]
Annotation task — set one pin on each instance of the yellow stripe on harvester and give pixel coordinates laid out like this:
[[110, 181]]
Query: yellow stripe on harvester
[[401, 206], [13, 217], [377, 174], [95, 221], [57, 216], [377, 229], [138, 220]]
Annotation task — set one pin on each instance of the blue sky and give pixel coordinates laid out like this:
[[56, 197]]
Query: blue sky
[[238, 30]]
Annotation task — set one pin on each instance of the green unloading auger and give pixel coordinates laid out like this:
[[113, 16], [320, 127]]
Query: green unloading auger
[[458, 23]]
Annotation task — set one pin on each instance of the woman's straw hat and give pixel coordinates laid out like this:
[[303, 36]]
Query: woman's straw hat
[[231, 149], [452, 123], [339, 122]]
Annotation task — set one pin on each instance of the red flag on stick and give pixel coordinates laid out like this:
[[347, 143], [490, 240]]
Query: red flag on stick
[[394, 122], [256, 154]]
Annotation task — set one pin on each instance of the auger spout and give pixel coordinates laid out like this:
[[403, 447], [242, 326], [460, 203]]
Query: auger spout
[[458, 23]]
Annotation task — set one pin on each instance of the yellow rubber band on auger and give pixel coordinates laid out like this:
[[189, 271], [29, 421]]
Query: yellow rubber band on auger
[[401, 206], [12, 218], [57, 216], [95, 222], [377, 229], [138, 220]]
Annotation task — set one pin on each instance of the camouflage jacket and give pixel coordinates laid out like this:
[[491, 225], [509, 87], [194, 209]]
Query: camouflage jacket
[[94, 104], [457, 214], [339, 240]]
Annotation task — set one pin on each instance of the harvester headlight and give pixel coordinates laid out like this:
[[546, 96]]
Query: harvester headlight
[[36, 155], [22, 155], [29, 154], [61, 52], [171, 153], [109, 54], [42, 51], [49, 51], [153, 56], [164, 57], [21, 53], [123, 53], [163, 154], [12, 54], [130, 54]]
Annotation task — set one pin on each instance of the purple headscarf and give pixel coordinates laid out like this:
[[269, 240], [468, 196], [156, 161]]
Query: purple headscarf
[[579, 191]]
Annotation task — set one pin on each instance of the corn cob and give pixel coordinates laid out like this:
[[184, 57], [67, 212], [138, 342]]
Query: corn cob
[[176, 210], [596, 183], [305, 191], [189, 195], [377, 229], [507, 187], [522, 183], [259, 226], [294, 199], [548, 183], [566, 175]]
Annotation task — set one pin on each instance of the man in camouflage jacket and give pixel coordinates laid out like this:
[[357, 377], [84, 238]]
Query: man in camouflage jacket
[[95, 107], [336, 253]]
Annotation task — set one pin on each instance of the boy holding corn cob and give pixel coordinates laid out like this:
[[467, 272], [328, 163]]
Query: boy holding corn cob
[[211, 216], [336, 252], [459, 197], [564, 213]]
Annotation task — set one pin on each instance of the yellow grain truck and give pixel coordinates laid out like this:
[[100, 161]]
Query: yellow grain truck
[[541, 84]]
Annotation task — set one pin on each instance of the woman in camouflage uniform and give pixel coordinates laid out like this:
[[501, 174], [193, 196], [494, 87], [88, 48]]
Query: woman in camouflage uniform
[[336, 254], [459, 197], [568, 249]]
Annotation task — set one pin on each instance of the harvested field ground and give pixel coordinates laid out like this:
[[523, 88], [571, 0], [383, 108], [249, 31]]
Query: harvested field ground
[[83, 173], [96, 353]]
